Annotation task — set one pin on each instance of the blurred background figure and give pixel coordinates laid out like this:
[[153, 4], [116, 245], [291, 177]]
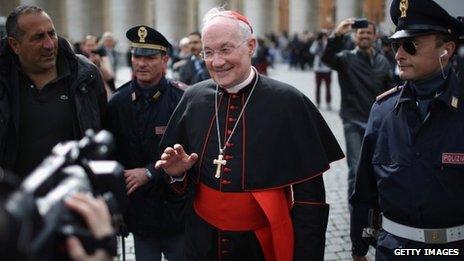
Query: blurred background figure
[[363, 73], [100, 59], [108, 44], [386, 49], [261, 57], [322, 72], [194, 70], [180, 57]]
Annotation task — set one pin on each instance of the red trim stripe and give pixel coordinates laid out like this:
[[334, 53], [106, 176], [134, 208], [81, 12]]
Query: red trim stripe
[[311, 203], [243, 142], [200, 160], [224, 138]]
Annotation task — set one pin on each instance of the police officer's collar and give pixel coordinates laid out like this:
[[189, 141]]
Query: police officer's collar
[[450, 96], [430, 87], [151, 91], [405, 95]]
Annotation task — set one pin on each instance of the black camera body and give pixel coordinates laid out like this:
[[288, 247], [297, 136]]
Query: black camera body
[[38, 208], [99, 51], [360, 23]]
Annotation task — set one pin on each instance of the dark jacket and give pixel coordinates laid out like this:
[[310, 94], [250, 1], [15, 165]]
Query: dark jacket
[[361, 78], [411, 169], [193, 71], [257, 159], [87, 92], [137, 131]]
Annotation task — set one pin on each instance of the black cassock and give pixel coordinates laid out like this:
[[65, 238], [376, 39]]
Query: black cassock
[[281, 140]]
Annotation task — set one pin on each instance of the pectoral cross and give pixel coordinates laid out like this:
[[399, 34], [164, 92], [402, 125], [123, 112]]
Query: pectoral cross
[[219, 162]]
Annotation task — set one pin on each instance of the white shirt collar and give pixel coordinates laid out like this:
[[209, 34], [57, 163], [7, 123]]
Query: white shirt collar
[[238, 87]]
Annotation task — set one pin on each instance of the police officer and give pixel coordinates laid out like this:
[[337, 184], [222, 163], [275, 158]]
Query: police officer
[[138, 113], [411, 167]]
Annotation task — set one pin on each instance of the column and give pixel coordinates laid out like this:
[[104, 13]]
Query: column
[[347, 8], [204, 6], [125, 14], [262, 15], [84, 17], [304, 16], [236, 5], [55, 9], [7, 6], [387, 26], [28, 2], [171, 19]]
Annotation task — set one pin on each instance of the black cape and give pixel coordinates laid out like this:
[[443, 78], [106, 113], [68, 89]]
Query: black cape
[[287, 139]]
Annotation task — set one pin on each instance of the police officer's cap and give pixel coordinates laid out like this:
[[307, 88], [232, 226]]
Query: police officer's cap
[[146, 41], [422, 17]]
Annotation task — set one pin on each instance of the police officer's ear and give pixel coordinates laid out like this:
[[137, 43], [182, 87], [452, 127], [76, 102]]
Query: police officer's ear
[[448, 50], [165, 58]]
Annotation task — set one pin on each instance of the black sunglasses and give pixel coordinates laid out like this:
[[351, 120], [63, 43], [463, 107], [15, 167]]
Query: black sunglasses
[[409, 46]]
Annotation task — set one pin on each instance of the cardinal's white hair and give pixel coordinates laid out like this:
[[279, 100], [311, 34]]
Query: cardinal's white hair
[[245, 29]]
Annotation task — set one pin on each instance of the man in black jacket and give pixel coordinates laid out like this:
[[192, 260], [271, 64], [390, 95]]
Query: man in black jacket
[[47, 93], [195, 69], [363, 73]]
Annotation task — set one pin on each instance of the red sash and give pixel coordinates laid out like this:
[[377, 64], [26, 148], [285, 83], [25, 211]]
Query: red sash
[[264, 212]]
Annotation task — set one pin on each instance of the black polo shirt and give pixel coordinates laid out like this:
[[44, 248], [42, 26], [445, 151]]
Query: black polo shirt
[[45, 119]]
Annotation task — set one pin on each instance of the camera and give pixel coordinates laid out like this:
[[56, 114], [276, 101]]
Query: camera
[[360, 23], [99, 51], [39, 220]]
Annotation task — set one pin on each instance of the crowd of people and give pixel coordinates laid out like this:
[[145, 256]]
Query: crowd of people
[[207, 174]]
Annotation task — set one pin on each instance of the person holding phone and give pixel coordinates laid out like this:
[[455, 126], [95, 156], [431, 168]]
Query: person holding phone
[[363, 73]]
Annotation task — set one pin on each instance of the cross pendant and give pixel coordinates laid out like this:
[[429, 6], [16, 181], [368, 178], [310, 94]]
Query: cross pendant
[[219, 162]]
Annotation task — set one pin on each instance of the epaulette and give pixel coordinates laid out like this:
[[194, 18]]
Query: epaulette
[[179, 85], [389, 92]]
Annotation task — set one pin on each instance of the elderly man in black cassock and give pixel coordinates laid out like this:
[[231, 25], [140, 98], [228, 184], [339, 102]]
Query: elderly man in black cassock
[[254, 149]]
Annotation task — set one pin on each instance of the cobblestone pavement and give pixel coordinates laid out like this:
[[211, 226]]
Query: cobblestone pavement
[[338, 242]]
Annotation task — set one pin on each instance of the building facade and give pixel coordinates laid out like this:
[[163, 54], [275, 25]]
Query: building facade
[[176, 18]]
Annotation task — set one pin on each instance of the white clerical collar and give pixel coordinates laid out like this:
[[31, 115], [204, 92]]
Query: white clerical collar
[[238, 87]]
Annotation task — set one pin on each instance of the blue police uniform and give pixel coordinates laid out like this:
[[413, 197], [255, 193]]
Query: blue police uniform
[[402, 170], [137, 116], [411, 167], [141, 115]]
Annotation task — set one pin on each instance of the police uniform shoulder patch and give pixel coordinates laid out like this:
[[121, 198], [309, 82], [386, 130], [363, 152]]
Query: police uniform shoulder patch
[[179, 85], [388, 93]]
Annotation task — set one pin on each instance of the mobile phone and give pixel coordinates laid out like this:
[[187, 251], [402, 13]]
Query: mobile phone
[[99, 51], [360, 23]]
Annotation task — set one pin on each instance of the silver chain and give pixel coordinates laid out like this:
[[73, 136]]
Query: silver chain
[[221, 150]]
